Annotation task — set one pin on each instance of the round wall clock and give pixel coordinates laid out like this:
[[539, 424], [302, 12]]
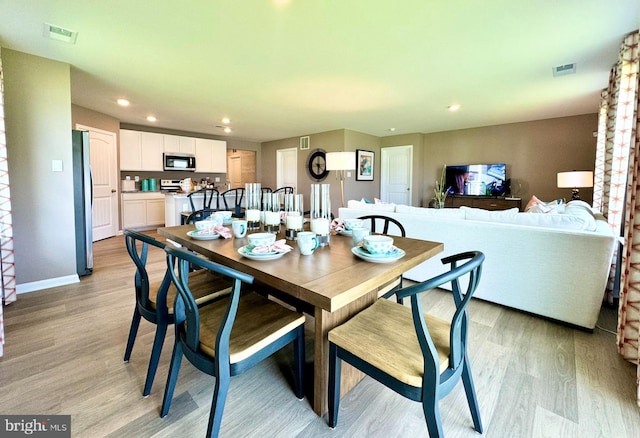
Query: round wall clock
[[317, 165]]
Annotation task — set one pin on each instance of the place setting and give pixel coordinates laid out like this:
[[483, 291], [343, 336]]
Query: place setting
[[264, 246], [377, 248], [210, 229]]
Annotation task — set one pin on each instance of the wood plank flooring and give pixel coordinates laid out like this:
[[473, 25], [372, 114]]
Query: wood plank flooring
[[534, 378]]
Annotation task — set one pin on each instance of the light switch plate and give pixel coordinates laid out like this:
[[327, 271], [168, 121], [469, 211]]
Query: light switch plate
[[56, 165]]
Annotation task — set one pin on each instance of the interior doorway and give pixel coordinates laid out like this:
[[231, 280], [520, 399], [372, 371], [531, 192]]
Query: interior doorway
[[396, 165], [241, 167], [287, 168]]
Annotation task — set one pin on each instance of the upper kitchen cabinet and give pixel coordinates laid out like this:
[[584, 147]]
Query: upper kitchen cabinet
[[211, 156], [141, 150], [177, 143]]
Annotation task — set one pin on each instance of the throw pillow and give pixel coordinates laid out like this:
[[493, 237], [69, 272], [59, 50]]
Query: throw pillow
[[535, 205]]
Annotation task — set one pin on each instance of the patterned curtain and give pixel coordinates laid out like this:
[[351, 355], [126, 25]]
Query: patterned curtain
[[7, 272], [616, 188]]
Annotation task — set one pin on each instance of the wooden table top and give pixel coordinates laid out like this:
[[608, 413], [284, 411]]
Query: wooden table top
[[330, 278]]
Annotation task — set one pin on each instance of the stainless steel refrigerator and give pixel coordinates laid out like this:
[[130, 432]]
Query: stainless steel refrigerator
[[83, 202]]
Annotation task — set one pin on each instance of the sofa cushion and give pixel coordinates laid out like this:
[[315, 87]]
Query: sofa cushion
[[390, 208], [449, 213], [480, 214], [582, 210], [580, 221]]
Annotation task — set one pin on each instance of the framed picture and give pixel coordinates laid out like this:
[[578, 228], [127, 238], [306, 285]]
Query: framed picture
[[365, 163]]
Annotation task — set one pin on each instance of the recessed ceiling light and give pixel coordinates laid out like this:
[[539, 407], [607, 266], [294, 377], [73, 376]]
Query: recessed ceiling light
[[227, 129], [151, 119], [391, 129], [123, 102], [226, 120], [454, 107]]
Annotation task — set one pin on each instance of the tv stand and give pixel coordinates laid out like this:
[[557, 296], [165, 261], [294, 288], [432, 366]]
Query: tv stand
[[484, 202]]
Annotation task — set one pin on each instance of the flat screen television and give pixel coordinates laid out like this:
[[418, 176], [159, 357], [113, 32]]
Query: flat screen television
[[477, 179]]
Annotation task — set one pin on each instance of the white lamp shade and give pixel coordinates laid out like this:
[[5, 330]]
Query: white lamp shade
[[341, 160], [575, 179]]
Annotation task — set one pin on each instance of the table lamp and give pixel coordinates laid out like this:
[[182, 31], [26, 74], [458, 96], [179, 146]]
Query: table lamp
[[341, 161], [574, 180]]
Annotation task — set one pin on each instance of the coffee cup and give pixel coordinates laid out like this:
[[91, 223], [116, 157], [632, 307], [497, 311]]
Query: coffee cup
[[261, 239], [378, 244], [358, 233], [350, 224], [239, 227], [307, 242]]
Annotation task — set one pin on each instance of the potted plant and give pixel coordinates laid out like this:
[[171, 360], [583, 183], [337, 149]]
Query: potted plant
[[440, 190]]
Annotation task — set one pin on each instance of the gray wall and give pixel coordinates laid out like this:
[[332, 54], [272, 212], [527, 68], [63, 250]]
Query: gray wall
[[38, 129]]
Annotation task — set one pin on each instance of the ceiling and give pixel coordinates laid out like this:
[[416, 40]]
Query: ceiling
[[285, 68]]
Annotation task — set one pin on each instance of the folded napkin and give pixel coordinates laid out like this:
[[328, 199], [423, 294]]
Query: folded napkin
[[337, 225], [223, 231], [277, 246]]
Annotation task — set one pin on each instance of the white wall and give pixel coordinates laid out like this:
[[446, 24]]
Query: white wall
[[38, 129]]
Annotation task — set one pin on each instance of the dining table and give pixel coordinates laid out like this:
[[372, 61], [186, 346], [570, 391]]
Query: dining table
[[333, 282]]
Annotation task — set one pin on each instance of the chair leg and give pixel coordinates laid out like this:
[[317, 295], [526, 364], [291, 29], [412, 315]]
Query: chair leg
[[298, 363], [432, 413], [133, 332], [172, 378], [469, 389], [335, 368], [161, 331], [217, 405]]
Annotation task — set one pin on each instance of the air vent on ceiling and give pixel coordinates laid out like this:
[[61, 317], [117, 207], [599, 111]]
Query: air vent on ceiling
[[304, 143], [563, 70], [60, 33]]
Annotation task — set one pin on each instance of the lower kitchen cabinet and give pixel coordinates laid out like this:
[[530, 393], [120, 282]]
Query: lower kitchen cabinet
[[142, 209]]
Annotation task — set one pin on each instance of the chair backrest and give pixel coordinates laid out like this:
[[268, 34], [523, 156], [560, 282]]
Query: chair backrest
[[238, 194], [208, 195], [374, 219], [460, 321], [287, 190], [186, 311], [199, 215], [139, 256]]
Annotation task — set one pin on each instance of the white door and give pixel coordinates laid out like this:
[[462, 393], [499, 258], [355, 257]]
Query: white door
[[235, 172], [287, 168], [104, 172], [396, 164]]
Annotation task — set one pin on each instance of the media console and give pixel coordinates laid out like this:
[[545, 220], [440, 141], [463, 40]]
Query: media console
[[484, 202]]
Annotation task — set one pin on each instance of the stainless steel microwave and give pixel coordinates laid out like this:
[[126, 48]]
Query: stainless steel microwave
[[178, 161]]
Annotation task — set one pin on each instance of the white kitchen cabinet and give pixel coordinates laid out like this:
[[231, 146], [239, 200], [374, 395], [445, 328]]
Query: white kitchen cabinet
[[178, 143], [142, 209], [152, 149], [130, 150], [141, 150], [211, 156]]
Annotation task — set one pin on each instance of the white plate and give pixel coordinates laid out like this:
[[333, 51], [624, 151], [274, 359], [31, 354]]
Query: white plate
[[198, 235], [269, 256], [362, 253], [345, 233]]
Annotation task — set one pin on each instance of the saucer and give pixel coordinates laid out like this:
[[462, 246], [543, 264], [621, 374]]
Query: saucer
[[199, 235], [392, 256], [245, 252]]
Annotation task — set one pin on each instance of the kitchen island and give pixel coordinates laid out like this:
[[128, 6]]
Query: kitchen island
[[177, 203]]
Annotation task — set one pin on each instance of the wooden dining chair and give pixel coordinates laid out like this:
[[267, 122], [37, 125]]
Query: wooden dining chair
[[236, 207], [229, 336], [419, 356], [154, 298]]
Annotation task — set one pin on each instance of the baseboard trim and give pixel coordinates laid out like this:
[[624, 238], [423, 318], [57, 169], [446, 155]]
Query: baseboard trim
[[46, 284]]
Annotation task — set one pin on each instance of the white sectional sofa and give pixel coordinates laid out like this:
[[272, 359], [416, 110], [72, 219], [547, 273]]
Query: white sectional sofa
[[553, 265]]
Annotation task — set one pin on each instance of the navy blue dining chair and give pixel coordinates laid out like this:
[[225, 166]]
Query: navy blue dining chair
[[229, 336], [154, 297], [419, 356]]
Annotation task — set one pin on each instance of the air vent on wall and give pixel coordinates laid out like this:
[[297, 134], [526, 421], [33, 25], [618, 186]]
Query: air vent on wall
[[60, 33], [304, 143], [563, 70]]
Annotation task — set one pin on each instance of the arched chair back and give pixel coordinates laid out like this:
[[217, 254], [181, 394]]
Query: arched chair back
[[419, 356], [154, 298], [236, 205], [382, 223], [287, 190], [209, 197], [260, 327]]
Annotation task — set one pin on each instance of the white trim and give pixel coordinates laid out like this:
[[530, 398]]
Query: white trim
[[46, 284]]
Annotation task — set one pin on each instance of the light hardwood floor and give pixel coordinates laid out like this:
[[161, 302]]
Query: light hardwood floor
[[534, 378]]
